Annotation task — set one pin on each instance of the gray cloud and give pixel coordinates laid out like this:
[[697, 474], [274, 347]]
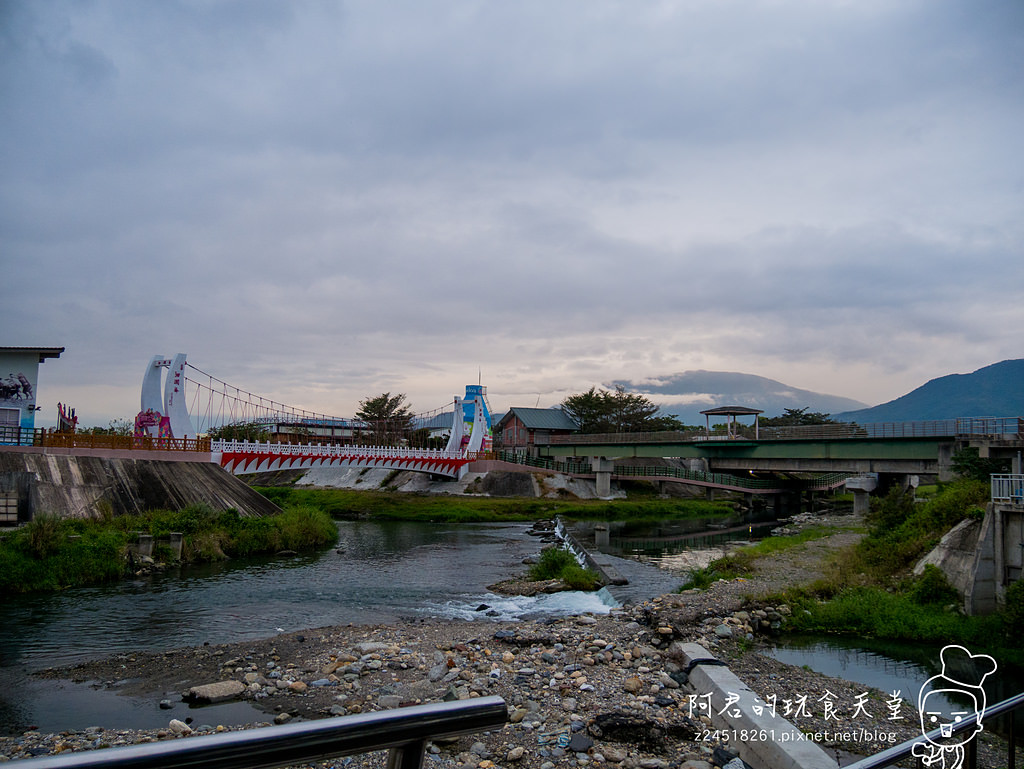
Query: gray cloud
[[328, 199]]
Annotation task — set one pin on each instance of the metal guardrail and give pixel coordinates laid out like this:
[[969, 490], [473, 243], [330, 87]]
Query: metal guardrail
[[1009, 428], [905, 750], [1008, 488], [402, 731]]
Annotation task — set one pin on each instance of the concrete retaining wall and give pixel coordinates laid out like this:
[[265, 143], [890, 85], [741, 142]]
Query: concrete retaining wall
[[772, 741], [86, 486]]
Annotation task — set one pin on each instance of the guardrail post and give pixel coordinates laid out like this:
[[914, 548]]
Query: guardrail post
[[409, 756]]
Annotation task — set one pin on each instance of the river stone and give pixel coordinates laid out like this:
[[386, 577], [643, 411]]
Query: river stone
[[613, 754], [216, 692], [580, 743], [723, 631], [369, 647], [179, 727], [515, 754], [633, 685]]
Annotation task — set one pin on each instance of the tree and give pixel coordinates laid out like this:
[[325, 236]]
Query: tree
[[241, 431], [388, 418], [602, 411], [968, 463], [802, 416], [114, 427], [587, 410]]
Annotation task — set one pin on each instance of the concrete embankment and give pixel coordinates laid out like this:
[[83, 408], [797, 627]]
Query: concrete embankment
[[75, 486]]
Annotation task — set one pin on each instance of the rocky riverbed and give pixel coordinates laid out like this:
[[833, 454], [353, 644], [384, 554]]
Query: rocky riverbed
[[607, 691]]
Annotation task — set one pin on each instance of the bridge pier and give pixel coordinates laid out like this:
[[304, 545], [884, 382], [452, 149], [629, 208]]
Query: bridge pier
[[862, 486], [603, 468]]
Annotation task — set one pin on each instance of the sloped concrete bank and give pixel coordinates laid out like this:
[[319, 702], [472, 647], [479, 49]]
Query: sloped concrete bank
[[74, 486]]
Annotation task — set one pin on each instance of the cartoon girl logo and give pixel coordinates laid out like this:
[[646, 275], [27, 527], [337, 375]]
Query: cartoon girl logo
[[961, 677]]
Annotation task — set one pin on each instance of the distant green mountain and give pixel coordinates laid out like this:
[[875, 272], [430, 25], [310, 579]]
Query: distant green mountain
[[992, 391]]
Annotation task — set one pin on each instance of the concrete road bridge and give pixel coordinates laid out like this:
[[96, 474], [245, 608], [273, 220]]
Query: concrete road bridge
[[879, 453]]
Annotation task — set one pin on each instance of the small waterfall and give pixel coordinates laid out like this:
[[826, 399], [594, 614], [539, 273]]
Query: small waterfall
[[568, 542]]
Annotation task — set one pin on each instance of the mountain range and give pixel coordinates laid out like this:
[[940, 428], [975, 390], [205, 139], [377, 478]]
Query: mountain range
[[687, 394], [992, 391], [995, 390]]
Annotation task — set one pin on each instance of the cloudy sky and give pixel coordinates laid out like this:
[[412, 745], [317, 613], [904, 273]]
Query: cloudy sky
[[321, 201]]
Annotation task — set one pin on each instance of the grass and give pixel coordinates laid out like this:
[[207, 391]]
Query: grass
[[869, 590], [381, 505], [740, 563], [873, 612], [50, 553]]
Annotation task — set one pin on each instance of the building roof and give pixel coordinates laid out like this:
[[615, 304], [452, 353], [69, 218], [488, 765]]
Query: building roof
[[541, 419], [44, 352]]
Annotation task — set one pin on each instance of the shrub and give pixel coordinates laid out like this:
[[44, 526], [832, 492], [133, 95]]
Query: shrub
[[304, 527], [43, 536], [578, 578], [552, 562], [1013, 609], [932, 588], [556, 563]]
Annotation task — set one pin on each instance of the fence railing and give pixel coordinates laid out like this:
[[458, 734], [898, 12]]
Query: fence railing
[[337, 450], [15, 436], [1008, 428], [402, 731], [905, 750], [1008, 488]]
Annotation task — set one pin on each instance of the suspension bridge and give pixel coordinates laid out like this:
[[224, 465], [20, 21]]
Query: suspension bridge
[[181, 402]]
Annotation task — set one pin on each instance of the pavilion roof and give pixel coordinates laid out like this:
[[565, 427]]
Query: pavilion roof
[[737, 411]]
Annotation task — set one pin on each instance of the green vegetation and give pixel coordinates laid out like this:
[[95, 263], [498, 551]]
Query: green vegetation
[[380, 505], [51, 553], [968, 463], [241, 431], [870, 590], [794, 417], [876, 613], [740, 562], [555, 563]]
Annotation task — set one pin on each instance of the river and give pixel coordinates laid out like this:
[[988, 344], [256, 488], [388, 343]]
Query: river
[[378, 572]]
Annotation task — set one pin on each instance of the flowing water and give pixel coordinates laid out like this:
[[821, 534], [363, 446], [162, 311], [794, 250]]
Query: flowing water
[[378, 572], [899, 669]]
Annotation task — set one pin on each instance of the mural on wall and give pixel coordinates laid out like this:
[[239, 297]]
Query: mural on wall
[[18, 391]]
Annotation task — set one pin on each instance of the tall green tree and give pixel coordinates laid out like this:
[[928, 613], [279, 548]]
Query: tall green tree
[[388, 418], [603, 411], [587, 410]]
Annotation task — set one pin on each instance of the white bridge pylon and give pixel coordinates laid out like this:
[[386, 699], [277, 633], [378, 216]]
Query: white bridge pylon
[[243, 457]]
